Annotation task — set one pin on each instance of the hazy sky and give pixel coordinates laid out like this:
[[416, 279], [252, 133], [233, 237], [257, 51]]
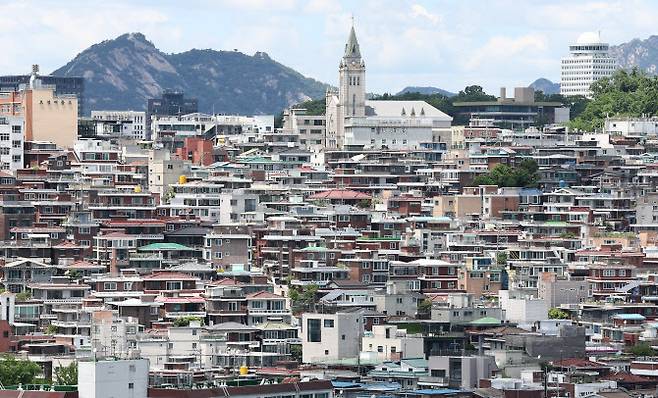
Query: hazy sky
[[447, 44]]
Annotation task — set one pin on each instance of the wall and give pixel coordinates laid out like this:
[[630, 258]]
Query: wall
[[113, 379], [50, 118]]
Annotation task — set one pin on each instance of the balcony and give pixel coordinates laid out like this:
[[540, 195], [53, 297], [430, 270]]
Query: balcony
[[180, 314], [259, 311]]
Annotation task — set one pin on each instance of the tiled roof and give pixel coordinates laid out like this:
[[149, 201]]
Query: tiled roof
[[340, 194]]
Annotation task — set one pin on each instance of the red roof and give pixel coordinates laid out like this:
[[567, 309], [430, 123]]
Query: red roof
[[179, 300], [227, 282], [264, 295], [628, 378], [340, 194]]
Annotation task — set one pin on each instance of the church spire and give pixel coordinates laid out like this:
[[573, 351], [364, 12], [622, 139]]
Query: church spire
[[352, 46]]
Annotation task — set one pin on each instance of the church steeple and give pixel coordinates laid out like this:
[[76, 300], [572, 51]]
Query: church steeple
[[352, 79], [352, 49]]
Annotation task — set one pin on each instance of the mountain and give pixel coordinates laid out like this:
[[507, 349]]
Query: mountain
[[545, 85], [426, 91], [638, 53], [124, 72]]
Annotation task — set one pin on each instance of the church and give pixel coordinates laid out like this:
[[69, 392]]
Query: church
[[352, 120]]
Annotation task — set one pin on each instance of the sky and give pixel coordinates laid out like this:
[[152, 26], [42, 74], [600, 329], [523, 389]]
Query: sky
[[446, 44]]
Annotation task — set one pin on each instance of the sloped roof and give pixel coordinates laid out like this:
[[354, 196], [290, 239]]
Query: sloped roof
[[340, 194], [264, 295]]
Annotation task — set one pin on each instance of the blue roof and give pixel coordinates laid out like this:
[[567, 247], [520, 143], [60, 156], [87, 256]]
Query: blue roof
[[438, 391], [344, 384], [630, 317]]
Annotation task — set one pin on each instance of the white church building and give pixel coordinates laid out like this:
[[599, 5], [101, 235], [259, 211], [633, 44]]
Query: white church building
[[354, 120]]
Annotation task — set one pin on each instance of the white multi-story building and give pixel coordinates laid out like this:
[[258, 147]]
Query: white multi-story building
[[330, 338], [112, 378], [353, 120], [310, 128], [120, 124], [222, 127], [588, 61], [11, 142]]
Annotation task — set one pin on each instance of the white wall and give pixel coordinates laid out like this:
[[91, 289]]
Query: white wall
[[113, 379]]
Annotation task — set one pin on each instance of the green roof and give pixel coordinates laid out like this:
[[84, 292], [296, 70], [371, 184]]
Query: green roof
[[486, 321], [163, 246]]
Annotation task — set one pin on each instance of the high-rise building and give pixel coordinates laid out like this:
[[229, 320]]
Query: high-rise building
[[63, 85], [172, 103], [589, 60], [48, 116]]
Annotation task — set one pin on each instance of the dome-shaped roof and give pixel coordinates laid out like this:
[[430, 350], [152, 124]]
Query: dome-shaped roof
[[589, 38]]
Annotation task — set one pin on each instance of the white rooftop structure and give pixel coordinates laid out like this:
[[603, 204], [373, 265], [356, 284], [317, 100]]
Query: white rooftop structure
[[588, 61]]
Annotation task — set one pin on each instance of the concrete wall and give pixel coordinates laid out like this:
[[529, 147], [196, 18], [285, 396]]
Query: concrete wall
[[341, 341], [51, 118], [113, 379]]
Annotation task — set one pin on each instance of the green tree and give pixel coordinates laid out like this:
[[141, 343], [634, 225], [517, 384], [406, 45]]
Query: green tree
[[642, 349], [17, 371], [303, 298], [425, 307], [67, 375], [296, 352], [501, 258], [523, 175], [556, 313], [185, 321], [625, 93], [23, 296], [51, 329]]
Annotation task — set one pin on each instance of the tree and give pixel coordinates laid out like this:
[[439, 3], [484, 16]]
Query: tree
[[185, 321], [67, 375], [296, 352], [501, 258], [51, 329], [425, 307], [502, 175], [17, 371], [642, 349], [626, 93], [556, 313], [23, 296], [303, 297]]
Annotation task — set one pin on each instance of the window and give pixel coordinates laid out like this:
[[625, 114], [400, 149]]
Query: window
[[328, 323], [313, 331], [174, 285], [131, 386], [109, 286], [380, 348]]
